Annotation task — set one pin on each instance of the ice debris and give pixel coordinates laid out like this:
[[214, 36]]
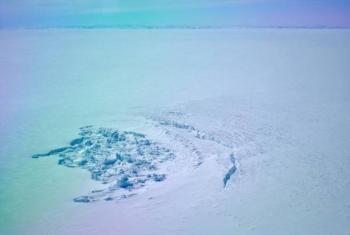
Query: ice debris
[[123, 160]]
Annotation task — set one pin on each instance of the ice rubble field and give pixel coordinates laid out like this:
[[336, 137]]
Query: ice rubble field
[[241, 131]]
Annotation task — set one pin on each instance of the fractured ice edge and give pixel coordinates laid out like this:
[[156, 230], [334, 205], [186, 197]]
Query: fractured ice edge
[[128, 161], [204, 136], [123, 160]]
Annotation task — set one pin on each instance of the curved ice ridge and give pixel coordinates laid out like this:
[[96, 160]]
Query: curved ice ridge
[[204, 136], [123, 160]]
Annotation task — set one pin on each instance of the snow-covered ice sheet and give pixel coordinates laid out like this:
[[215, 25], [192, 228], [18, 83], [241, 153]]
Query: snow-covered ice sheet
[[238, 131]]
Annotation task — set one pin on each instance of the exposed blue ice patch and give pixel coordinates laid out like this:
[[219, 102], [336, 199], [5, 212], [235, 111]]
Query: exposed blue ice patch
[[124, 183], [123, 160], [84, 199], [52, 152], [177, 125], [232, 169], [77, 141], [158, 177]]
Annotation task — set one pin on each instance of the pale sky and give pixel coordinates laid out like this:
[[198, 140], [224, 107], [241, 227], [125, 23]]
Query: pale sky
[[57, 13]]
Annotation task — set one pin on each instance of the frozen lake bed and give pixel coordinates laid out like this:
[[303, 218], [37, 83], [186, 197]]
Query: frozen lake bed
[[175, 131]]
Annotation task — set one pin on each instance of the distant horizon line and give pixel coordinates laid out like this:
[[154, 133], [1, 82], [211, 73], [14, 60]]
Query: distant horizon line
[[134, 26]]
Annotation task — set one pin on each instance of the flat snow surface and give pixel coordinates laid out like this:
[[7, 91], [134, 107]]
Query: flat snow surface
[[177, 132]]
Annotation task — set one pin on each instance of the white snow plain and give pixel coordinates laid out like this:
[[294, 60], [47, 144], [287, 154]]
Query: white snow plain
[[274, 102]]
